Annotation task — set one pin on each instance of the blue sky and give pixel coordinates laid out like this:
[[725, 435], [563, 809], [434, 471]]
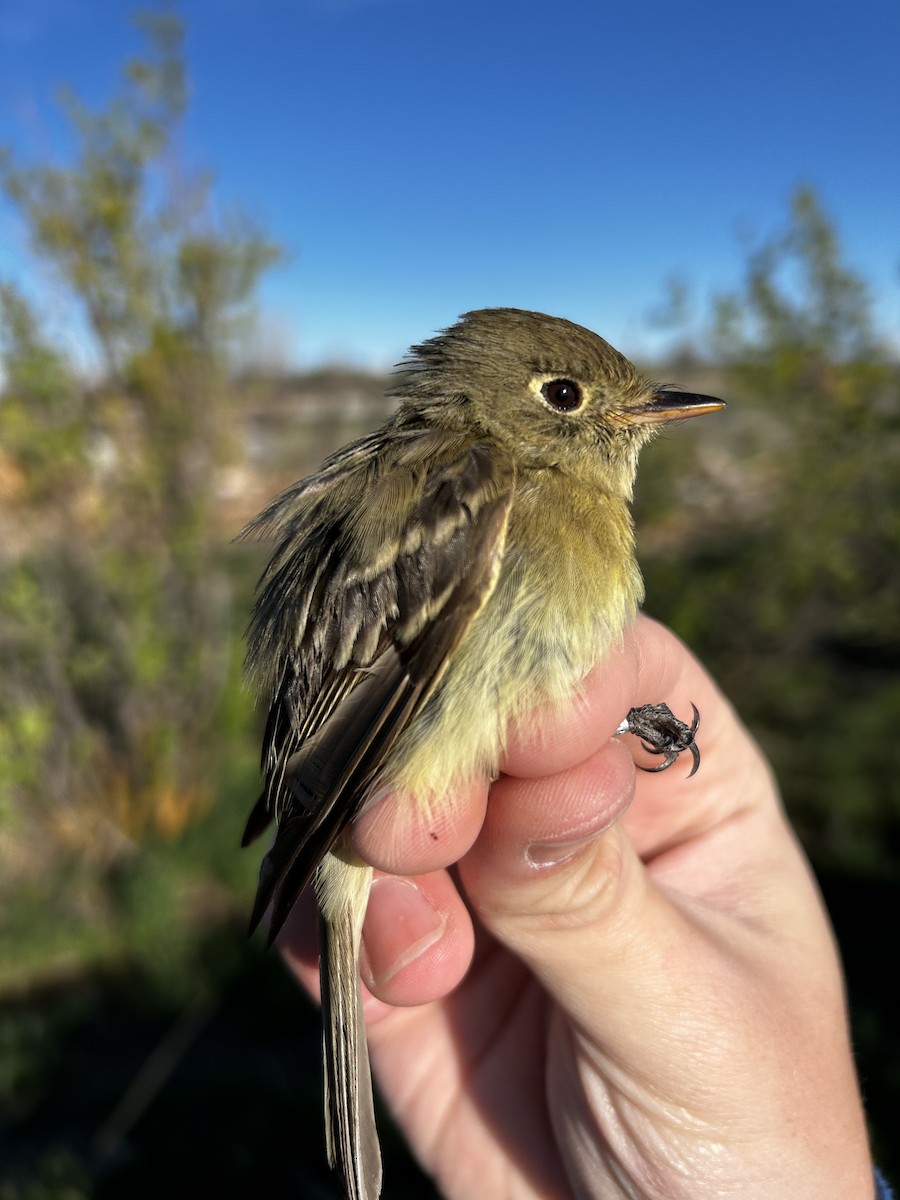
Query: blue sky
[[417, 158]]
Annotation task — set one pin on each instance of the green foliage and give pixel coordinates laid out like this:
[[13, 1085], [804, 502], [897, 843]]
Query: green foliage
[[114, 600], [783, 570], [41, 411], [59, 1176]]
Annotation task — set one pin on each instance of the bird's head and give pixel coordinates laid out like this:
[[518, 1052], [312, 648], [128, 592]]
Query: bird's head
[[552, 392]]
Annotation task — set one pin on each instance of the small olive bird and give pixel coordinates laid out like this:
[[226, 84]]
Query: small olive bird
[[433, 582]]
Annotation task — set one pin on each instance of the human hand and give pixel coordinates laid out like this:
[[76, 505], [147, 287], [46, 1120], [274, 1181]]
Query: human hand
[[639, 996]]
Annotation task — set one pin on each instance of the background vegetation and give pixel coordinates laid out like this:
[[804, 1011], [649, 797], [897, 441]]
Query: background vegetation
[[145, 1045]]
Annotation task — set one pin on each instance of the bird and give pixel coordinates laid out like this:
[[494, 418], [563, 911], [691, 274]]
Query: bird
[[431, 584]]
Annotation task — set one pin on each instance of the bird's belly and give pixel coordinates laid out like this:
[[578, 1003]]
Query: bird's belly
[[531, 645]]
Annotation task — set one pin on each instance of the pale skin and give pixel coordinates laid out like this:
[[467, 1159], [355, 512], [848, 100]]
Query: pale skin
[[628, 986]]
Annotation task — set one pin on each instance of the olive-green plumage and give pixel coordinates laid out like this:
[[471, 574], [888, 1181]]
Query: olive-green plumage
[[432, 582]]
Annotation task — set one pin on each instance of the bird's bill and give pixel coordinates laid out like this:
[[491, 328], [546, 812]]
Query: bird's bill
[[665, 405]]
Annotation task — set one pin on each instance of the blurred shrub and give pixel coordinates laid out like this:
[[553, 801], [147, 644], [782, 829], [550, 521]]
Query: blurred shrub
[[115, 625], [777, 553]]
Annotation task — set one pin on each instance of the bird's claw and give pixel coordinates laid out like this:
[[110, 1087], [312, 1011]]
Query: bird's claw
[[661, 732]]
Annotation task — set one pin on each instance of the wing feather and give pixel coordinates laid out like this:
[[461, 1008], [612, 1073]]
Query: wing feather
[[358, 614]]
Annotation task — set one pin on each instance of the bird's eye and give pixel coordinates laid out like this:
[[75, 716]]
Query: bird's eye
[[562, 394]]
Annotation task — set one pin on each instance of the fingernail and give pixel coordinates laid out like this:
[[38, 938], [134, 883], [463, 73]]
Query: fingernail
[[413, 926], [551, 854]]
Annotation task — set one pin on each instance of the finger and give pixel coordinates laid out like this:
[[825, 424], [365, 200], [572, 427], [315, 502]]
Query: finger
[[652, 666], [418, 938], [402, 836], [556, 889], [627, 961], [417, 944]]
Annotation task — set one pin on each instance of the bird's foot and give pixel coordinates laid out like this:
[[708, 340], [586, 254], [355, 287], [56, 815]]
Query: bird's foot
[[661, 732]]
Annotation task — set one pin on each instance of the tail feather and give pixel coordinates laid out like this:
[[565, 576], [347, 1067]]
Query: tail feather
[[351, 1138]]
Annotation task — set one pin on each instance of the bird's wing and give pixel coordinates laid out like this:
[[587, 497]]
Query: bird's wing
[[358, 614]]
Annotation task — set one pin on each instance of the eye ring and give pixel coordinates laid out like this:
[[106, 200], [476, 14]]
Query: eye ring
[[562, 394]]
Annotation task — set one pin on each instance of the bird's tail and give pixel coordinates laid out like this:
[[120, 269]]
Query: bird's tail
[[351, 1138]]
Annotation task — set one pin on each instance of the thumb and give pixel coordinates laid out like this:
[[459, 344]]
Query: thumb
[[560, 885]]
